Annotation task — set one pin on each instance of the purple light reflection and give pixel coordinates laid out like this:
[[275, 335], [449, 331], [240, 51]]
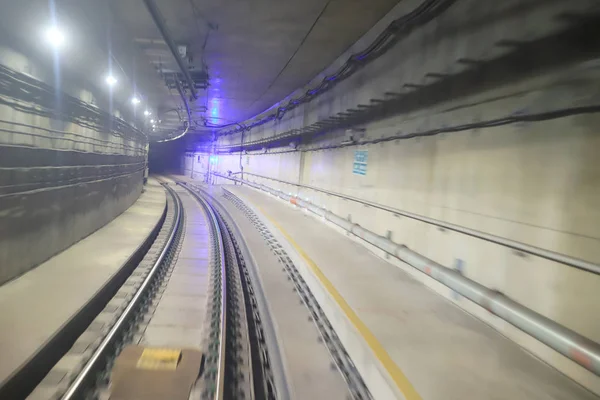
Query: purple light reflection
[[214, 106]]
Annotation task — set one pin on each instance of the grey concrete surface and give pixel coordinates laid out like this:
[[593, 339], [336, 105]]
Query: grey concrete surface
[[534, 182], [457, 42], [179, 312], [36, 225], [256, 53], [444, 352], [307, 361], [61, 178], [34, 306]]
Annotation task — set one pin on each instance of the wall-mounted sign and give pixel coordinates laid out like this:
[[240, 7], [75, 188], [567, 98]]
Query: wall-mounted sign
[[359, 167]]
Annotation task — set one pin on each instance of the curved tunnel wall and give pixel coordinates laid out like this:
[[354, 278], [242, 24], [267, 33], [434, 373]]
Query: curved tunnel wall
[[61, 177], [534, 182], [540, 190]]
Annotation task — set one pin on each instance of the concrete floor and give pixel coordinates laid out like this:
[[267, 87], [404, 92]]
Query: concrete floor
[[39, 302], [306, 361], [444, 352], [179, 314]]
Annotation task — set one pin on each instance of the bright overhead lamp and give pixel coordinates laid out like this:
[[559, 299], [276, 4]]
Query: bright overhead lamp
[[152, 121], [55, 37], [110, 80], [147, 113], [135, 100]]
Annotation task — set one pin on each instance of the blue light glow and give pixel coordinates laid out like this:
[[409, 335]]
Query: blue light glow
[[214, 110], [213, 159]]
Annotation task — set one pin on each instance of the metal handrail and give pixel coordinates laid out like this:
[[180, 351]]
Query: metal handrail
[[567, 342], [78, 385], [512, 244]]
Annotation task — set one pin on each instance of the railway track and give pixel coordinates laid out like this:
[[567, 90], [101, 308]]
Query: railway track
[[193, 289], [191, 276]]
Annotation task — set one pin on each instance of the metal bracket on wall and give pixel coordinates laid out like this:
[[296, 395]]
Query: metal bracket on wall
[[388, 234]]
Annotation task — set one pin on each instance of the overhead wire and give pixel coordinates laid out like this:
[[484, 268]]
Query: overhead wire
[[296, 51]]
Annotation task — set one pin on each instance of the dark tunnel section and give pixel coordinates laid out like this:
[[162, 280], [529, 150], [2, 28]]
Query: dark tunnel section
[[166, 157]]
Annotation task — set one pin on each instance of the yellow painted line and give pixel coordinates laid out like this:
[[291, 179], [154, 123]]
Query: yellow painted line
[[377, 348]]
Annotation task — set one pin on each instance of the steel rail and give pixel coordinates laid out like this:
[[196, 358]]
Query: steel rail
[[281, 380], [78, 386], [220, 384]]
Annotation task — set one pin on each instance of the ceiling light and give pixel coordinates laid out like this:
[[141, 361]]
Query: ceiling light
[[55, 37], [152, 121], [135, 100], [110, 80], [147, 113]]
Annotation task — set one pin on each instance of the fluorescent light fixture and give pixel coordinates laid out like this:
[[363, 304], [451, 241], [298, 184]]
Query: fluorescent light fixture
[[110, 80], [55, 37], [135, 100]]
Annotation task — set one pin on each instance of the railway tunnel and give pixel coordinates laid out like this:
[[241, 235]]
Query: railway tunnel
[[327, 199]]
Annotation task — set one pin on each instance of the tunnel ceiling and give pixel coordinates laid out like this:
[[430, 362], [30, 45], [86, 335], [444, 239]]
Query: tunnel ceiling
[[255, 52], [91, 35]]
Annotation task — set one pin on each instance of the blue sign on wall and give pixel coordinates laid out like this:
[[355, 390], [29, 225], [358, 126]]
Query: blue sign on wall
[[359, 167]]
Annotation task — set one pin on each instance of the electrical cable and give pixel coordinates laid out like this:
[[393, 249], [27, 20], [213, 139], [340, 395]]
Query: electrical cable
[[26, 94], [396, 30], [512, 119]]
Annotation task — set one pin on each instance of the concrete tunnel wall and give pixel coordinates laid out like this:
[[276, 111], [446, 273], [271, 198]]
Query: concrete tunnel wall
[[59, 181], [195, 165], [536, 183]]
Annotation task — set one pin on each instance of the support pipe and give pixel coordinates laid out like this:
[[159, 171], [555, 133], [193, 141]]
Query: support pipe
[[517, 246], [185, 100], [569, 343], [162, 27]]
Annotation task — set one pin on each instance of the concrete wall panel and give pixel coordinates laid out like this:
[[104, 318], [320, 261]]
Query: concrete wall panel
[[60, 180], [537, 183]]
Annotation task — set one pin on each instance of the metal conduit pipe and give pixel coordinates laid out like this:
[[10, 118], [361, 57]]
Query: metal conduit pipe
[[521, 247], [185, 100], [569, 343], [189, 114], [164, 31]]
